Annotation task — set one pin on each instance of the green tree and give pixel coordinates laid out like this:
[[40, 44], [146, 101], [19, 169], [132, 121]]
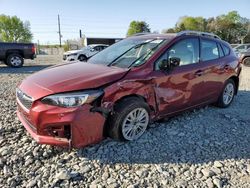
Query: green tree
[[138, 27], [12, 29], [191, 23], [230, 27], [188, 23]]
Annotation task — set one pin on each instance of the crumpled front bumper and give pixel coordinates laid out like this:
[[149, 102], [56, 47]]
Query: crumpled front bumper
[[43, 139], [46, 124]]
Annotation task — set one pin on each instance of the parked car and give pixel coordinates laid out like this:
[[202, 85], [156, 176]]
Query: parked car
[[84, 53], [122, 89], [13, 54], [241, 48], [234, 45], [245, 57]]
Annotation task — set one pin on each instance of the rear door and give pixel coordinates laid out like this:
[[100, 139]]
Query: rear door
[[214, 67]]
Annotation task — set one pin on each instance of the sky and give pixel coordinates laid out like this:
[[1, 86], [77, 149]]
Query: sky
[[110, 18]]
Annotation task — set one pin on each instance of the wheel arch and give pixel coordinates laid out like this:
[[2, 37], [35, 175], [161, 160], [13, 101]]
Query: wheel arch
[[82, 55], [9, 52]]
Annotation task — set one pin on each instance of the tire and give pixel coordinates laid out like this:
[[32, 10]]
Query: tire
[[82, 58], [118, 123], [228, 90], [14, 60], [246, 61]]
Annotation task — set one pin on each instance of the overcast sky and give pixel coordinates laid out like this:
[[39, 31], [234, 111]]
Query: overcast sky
[[110, 18]]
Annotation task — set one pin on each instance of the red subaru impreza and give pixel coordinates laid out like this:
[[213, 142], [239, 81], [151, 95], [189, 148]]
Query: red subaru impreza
[[120, 90]]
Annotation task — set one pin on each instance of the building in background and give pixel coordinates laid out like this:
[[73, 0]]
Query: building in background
[[95, 40]]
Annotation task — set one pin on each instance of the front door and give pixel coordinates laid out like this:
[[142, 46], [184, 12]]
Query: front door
[[183, 86]]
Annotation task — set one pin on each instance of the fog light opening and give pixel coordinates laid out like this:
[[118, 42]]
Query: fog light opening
[[62, 131], [67, 131]]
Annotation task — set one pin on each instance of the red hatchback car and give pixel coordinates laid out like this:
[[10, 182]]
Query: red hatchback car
[[120, 90]]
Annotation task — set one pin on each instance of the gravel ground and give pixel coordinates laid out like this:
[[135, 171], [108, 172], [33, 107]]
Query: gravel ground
[[207, 147]]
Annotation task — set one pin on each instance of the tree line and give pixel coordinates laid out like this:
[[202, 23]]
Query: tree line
[[231, 27]]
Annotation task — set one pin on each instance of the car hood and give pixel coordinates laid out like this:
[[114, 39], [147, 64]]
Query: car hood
[[69, 77]]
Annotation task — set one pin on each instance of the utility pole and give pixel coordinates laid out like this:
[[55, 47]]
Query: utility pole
[[80, 32], [59, 31]]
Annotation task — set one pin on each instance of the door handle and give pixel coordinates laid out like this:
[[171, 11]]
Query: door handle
[[226, 67], [199, 73]]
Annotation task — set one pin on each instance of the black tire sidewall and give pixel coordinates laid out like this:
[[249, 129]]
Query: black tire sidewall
[[8, 62]]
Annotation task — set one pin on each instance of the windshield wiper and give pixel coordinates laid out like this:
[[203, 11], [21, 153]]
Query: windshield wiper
[[133, 47]]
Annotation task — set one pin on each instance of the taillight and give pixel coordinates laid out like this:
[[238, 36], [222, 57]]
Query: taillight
[[33, 49]]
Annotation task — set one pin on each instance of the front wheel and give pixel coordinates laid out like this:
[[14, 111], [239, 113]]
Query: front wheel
[[227, 95], [129, 120], [82, 58]]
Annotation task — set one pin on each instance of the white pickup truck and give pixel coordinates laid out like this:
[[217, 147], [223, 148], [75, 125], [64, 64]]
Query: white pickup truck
[[84, 53]]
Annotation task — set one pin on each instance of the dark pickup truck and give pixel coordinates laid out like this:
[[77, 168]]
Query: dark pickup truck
[[13, 54]]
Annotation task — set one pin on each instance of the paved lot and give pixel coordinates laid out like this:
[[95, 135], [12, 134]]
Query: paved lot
[[208, 147]]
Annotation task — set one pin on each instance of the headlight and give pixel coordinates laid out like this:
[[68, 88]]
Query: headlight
[[72, 99]]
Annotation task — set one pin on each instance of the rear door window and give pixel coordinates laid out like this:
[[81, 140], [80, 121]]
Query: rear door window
[[209, 50], [225, 49], [220, 50]]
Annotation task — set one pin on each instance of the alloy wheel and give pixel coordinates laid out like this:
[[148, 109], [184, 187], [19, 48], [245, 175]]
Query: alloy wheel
[[135, 124]]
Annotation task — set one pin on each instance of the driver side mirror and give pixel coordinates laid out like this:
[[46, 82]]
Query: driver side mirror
[[169, 64], [92, 49]]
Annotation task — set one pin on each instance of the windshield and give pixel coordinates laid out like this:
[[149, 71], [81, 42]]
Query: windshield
[[127, 53], [86, 47]]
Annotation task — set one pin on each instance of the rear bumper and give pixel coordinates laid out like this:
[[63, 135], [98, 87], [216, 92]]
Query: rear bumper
[[42, 139]]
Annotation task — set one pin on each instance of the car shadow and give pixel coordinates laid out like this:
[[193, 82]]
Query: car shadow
[[22, 70], [199, 136]]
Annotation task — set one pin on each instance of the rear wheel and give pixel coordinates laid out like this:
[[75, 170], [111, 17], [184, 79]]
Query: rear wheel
[[14, 60], [82, 58], [129, 120], [227, 95]]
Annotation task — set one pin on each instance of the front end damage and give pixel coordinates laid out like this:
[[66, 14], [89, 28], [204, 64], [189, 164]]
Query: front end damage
[[65, 127], [77, 127]]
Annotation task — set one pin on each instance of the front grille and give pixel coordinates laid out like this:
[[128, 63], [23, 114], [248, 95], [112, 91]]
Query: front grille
[[25, 100], [64, 57]]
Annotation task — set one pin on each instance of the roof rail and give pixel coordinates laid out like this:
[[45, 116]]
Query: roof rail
[[139, 34], [188, 32]]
